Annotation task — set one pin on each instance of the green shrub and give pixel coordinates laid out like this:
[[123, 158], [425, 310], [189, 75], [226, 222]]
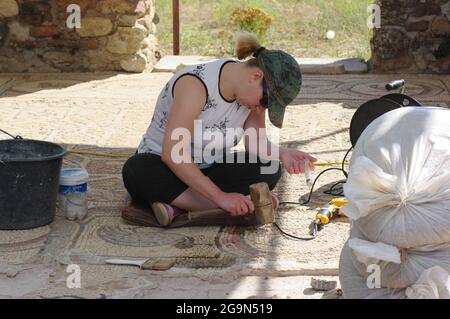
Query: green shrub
[[251, 19]]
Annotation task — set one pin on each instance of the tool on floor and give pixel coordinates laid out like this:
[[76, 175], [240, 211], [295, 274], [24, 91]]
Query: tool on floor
[[264, 212], [150, 263], [325, 215], [260, 195]]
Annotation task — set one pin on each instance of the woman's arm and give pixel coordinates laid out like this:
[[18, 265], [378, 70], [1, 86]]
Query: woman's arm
[[257, 121], [293, 160], [189, 100]]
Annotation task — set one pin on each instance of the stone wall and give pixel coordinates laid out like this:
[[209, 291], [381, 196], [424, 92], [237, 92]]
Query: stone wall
[[115, 35], [414, 37]]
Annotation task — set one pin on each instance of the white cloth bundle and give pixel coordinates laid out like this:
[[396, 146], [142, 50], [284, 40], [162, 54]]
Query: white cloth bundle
[[398, 190], [433, 283], [399, 268]]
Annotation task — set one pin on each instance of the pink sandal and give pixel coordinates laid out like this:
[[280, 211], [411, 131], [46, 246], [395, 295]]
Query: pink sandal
[[165, 213]]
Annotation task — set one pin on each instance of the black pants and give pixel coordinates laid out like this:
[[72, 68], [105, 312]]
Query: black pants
[[149, 180]]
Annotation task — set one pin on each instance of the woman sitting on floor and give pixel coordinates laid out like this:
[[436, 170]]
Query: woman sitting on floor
[[216, 98]]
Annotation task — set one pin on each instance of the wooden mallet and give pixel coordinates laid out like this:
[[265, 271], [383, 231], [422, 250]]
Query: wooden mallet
[[259, 194]]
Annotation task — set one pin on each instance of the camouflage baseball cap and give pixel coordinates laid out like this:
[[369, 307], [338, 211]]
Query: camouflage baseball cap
[[283, 79]]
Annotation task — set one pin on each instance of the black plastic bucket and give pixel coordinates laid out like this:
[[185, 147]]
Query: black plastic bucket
[[29, 180]]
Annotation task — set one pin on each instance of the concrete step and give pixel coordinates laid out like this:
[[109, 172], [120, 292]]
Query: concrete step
[[332, 66], [170, 63], [173, 63]]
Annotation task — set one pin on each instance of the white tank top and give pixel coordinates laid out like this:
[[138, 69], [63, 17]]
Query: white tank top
[[218, 115]]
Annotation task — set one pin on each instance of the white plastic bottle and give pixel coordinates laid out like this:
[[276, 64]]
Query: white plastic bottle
[[308, 174], [73, 192]]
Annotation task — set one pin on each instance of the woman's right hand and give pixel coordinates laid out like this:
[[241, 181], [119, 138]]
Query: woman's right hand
[[235, 204]]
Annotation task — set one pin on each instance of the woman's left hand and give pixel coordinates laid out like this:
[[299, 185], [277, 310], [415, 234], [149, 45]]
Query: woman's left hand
[[294, 160]]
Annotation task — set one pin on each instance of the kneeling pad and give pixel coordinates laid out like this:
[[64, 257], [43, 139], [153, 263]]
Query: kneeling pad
[[142, 215]]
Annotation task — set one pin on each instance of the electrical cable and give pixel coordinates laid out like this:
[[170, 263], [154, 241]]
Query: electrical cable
[[293, 236], [101, 154], [331, 191]]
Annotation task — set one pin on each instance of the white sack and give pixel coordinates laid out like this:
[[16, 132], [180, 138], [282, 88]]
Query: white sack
[[398, 190], [354, 286], [398, 186], [434, 283], [399, 268]]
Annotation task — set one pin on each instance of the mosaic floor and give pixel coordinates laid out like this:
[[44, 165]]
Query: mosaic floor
[[108, 113]]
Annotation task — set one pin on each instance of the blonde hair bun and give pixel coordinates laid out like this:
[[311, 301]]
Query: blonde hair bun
[[246, 44]]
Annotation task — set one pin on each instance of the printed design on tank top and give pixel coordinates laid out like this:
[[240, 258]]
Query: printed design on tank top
[[221, 115], [163, 121], [235, 141], [238, 105], [221, 126], [210, 104], [166, 90], [153, 118], [198, 71]]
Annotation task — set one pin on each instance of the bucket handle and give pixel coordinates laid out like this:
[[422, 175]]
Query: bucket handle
[[18, 137]]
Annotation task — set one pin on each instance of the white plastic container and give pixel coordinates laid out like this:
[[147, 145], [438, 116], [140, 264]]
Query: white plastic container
[[73, 192], [308, 174]]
